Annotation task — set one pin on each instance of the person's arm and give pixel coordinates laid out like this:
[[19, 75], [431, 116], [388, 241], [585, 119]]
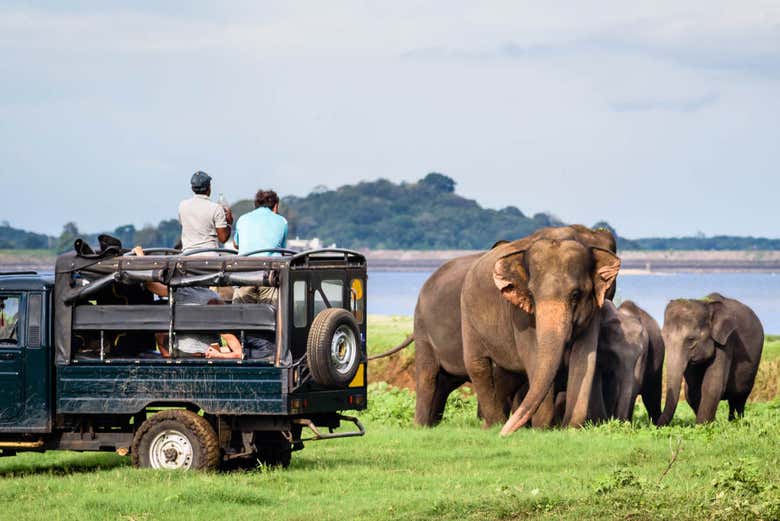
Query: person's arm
[[222, 223], [233, 343], [235, 238], [158, 288], [284, 236]]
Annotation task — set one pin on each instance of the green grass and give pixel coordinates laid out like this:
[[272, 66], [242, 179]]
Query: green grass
[[385, 332], [725, 470], [454, 471], [27, 253], [771, 347]]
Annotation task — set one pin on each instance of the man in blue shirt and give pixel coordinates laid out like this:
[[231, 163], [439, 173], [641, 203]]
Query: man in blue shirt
[[260, 229]]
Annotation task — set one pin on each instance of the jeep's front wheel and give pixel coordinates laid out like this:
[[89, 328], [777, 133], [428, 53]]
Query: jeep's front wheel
[[176, 440], [333, 347]]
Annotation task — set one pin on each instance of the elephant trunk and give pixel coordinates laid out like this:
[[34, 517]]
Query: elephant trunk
[[553, 328], [675, 368]]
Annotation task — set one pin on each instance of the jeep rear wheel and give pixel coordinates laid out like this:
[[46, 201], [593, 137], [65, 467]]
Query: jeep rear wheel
[[176, 440], [333, 347]]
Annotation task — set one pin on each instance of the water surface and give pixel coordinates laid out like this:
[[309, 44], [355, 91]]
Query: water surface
[[395, 292]]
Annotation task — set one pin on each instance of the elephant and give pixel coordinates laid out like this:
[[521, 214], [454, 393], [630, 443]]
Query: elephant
[[528, 306], [439, 362], [621, 360], [715, 344], [652, 381]]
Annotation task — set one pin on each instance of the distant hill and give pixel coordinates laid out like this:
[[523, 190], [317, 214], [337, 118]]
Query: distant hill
[[16, 239], [426, 215], [384, 215]]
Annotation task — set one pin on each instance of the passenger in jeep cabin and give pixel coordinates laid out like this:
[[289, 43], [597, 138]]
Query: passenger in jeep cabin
[[204, 223], [260, 229]]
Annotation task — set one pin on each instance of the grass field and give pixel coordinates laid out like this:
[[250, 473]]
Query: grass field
[[455, 471]]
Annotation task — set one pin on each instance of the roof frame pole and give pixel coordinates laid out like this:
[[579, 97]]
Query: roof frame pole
[[171, 292], [102, 345]]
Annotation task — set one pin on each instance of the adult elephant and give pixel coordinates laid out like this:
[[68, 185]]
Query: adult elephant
[[439, 365], [527, 306], [715, 344]]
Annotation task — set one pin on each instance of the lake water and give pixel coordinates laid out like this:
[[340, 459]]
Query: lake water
[[395, 292]]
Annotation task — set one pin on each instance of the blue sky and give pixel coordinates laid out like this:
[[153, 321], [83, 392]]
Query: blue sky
[[661, 117]]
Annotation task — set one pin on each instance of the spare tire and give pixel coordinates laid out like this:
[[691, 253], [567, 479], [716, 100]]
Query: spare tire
[[333, 347]]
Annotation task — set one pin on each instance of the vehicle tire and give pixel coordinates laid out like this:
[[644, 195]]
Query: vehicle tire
[[177, 440], [333, 347]]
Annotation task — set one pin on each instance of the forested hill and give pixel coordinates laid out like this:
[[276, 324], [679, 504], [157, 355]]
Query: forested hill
[[422, 215], [380, 214]]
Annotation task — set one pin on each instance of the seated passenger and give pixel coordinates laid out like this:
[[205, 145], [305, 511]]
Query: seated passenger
[[194, 344], [259, 229]]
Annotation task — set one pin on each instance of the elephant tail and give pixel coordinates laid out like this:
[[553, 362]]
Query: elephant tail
[[402, 345]]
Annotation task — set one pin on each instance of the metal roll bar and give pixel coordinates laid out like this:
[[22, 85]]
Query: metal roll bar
[[209, 250], [165, 251], [283, 251]]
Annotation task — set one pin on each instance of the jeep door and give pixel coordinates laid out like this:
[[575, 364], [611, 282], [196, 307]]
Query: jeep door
[[24, 363], [11, 356]]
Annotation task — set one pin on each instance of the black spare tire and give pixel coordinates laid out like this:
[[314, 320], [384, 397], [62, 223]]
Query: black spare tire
[[333, 348]]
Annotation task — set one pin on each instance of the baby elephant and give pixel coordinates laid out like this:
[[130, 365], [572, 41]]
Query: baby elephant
[[629, 363], [716, 344]]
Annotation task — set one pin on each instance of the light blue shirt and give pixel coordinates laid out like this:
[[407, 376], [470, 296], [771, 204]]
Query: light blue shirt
[[260, 229]]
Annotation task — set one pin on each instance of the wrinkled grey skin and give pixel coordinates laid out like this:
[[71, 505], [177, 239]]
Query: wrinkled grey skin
[[651, 387], [620, 364], [438, 358], [439, 362], [526, 307], [715, 344]]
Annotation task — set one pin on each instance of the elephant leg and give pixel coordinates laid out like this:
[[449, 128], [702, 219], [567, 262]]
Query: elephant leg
[[737, 407], [693, 378], [582, 368], [597, 410], [713, 384], [445, 384], [560, 407], [651, 398], [480, 370], [426, 376], [544, 416], [507, 384]]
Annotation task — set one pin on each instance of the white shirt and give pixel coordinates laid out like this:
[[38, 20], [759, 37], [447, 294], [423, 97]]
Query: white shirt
[[200, 217]]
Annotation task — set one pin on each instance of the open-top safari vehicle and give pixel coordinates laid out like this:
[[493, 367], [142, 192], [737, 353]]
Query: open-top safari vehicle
[[81, 365]]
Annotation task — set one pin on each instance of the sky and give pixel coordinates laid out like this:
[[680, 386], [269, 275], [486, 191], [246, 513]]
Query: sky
[[662, 118]]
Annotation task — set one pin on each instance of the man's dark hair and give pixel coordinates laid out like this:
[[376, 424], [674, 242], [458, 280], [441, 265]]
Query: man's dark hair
[[266, 198]]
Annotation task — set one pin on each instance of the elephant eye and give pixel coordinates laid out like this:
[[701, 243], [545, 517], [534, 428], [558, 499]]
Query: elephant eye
[[575, 296], [690, 342]]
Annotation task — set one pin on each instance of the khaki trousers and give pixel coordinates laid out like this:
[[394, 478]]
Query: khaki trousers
[[255, 295]]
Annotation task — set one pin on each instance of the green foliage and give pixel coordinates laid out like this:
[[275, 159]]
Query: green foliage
[[14, 238], [422, 215]]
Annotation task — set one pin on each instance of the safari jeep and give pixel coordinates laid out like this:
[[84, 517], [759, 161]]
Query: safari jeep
[[82, 365]]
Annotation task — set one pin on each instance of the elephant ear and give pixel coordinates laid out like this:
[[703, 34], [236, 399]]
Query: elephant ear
[[606, 266], [511, 278], [722, 323]]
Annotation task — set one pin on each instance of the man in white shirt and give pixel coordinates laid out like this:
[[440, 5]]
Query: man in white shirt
[[204, 223]]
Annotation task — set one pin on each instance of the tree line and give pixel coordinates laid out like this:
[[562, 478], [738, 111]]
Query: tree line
[[380, 214]]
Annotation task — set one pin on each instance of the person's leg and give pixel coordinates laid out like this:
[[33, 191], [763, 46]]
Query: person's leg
[[245, 295]]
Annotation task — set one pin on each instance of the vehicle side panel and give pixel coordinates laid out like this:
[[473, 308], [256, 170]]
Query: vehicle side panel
[[217, 388]]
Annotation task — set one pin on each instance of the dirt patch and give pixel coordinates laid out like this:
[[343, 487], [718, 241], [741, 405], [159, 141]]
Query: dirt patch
[[396, 370]]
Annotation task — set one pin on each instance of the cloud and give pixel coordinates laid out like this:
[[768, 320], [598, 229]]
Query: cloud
[[690, 104]]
